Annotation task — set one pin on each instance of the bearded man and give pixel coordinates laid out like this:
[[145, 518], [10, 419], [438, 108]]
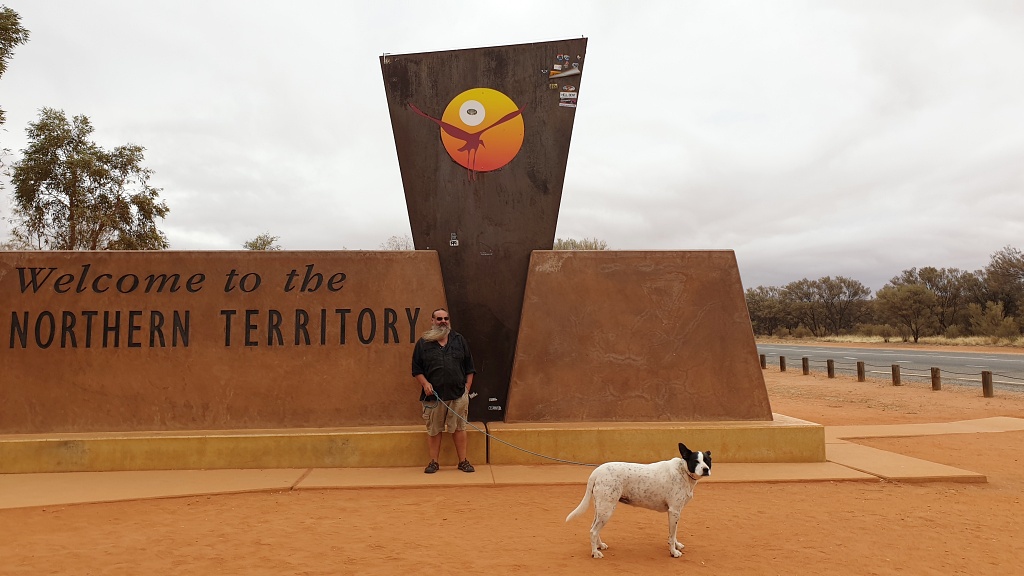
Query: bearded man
[[443, 366]]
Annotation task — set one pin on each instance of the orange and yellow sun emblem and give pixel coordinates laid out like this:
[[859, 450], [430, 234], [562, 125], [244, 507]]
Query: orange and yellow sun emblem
[[481, 128]]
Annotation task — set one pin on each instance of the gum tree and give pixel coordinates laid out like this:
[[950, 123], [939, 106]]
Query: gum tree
[[71, 194], [844, 300], [264, 241], [584, 244], [950, 287], [12, 33], [766, 308], [398, 243], [910, 307], [1005, 279]]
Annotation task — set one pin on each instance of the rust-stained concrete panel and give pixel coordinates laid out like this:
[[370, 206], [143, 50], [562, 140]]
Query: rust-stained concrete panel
[[131, 341], [612, 336]]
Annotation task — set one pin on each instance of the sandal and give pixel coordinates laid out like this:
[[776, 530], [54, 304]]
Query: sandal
[[432, 467], [465, 466]]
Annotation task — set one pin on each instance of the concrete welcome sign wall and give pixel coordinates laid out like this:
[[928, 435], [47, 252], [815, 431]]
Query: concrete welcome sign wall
[[121, 341], [610, 336]]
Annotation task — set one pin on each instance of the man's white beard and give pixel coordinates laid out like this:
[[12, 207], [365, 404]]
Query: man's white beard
[[436, 333]]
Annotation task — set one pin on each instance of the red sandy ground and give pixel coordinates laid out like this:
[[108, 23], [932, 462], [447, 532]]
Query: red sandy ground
[[835, 528]]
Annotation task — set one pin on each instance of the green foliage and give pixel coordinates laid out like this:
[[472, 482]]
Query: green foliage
[[826, 305], [398, 243], [802, 301], [767, 315], [264, 241], [844, 300], [820, 307], [953, 332], [14, 244], [12, 33], [584, 244], [1008, 263], [1005, 280], [908, 307], [992, 322], [917, 303], [883, 331], [800, 332], [950, 287], [71, 194]]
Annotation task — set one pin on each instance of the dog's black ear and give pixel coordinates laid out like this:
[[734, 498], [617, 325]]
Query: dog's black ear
[[684, 451], [707, 455]]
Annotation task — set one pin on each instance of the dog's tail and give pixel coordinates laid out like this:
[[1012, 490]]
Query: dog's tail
[[585, 503]]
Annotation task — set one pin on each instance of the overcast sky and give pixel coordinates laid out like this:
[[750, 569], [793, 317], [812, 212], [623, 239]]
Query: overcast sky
[[855, 138]]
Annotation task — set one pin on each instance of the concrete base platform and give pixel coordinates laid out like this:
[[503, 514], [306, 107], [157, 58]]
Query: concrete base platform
[[27, 490], [846, 461], [896, 467], [783, 440], [30, 490], [993, 424], [555, 474], [236, 449]]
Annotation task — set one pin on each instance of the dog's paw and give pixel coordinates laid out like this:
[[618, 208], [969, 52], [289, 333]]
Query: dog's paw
[[676, 553], [679, 545], [602, 546], [597, 554]]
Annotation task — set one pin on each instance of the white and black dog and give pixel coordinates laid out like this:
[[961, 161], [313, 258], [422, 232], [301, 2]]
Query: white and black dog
[[662, 486]]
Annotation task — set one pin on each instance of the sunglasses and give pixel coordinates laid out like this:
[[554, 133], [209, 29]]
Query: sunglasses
[[440, 318]]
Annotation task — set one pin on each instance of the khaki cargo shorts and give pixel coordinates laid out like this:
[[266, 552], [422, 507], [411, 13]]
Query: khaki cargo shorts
[[441, 416]]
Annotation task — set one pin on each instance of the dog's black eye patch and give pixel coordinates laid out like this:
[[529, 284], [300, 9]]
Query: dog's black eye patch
[[695, 459]]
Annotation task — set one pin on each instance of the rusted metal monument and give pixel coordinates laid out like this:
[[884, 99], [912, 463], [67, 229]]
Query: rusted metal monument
[[483, 138]]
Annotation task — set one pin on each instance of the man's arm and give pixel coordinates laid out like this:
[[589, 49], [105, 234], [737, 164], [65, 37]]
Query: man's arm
[[428, 389], [417, 371], [467, 364]]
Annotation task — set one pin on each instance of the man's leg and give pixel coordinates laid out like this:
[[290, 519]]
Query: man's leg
[[434, 445], [457, 424], [459, 437]]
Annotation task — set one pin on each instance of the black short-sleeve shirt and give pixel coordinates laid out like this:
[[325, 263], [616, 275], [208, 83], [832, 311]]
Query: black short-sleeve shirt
[[445, 367]]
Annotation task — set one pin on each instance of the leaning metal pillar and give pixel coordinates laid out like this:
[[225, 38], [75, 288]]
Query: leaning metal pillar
[[482, 137]]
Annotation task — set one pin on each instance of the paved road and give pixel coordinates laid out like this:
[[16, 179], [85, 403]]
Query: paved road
[[956, 367]]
